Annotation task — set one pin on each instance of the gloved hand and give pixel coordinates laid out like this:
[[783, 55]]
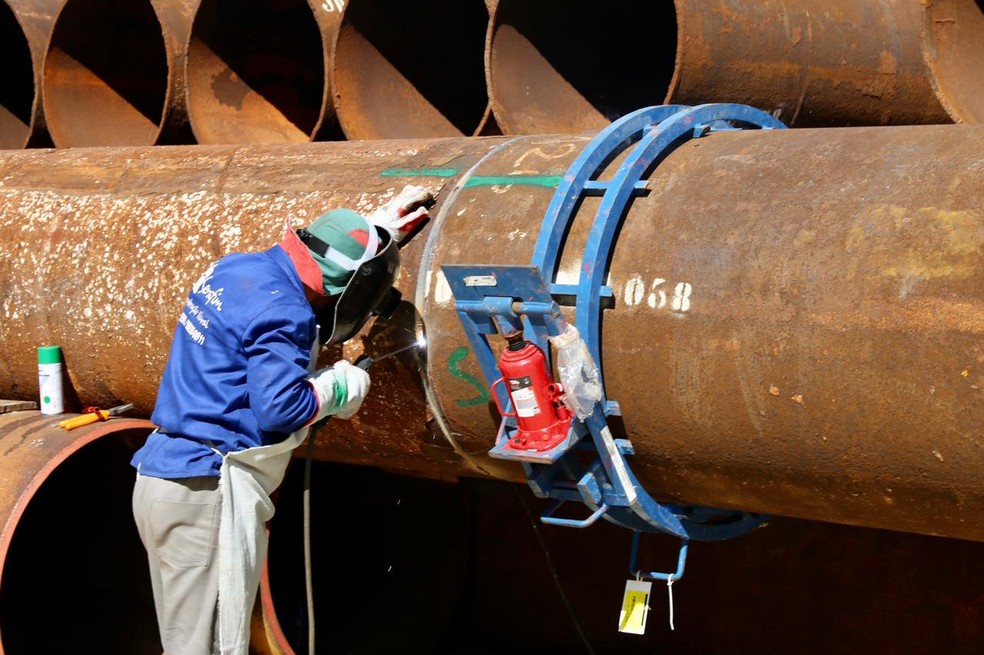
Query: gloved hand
[[401, 215], [340, 388]]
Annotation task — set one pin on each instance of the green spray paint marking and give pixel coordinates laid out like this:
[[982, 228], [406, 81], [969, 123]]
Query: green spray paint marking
[[453, 361], [550, 181], [420, 172]]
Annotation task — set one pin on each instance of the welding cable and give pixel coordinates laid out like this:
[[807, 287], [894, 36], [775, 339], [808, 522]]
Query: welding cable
[[553, 570], [308, 579]]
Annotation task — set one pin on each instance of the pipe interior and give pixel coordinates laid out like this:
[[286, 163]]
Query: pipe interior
[[106, 74], [389, 559], [957, 27], [17, 92], [256, 72], [563, 65], [75, 579], [405, 70]]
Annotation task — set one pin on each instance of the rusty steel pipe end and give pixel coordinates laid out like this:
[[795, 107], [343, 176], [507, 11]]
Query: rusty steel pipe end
[[398, 72], [564, 67], [106, 74], [276, 90], [25, 27], [953, 48], [18, 94], [70, 557]]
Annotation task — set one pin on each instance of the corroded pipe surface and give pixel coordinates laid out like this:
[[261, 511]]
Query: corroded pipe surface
[[954, 51], [72, 569], [257, 71], [572, 66], [407, 70], [25, 27], [795, 327], [114, 73]]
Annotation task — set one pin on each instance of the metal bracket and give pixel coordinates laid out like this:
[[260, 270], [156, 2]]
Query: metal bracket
[[521, 297]]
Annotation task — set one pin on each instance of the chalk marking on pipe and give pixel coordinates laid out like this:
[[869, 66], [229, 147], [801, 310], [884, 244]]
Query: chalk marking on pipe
[[420, 172], [549, 181], [454, 368]]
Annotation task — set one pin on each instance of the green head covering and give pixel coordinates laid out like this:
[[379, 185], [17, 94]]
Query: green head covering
[[347, 232]]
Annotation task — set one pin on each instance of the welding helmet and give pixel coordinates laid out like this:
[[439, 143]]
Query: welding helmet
[[359, 263]]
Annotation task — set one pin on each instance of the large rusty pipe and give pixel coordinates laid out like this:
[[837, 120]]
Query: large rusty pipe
[[560, 66], [828, 364], [398, 71], [257, 71], [114, 73], [25, 27], [73, 574]]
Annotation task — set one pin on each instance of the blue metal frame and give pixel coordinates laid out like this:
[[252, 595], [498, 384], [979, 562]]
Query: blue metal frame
[[501, 298]]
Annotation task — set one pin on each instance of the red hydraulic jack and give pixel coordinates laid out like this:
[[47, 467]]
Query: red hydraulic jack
[[543, 420]]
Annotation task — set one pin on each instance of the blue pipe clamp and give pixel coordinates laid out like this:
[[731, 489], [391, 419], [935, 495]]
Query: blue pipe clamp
[[590, 466]]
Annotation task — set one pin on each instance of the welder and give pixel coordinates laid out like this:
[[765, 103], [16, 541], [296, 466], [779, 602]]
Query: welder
[[238, 395]]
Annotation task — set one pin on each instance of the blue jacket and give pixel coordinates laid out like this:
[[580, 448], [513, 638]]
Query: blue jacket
[[237, 372]]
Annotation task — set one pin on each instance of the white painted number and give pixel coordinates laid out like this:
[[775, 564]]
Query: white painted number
[[636, 288], [657, 299], [333, 5], [681, 297]]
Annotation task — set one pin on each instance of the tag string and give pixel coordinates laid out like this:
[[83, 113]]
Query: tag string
[[669, 592]]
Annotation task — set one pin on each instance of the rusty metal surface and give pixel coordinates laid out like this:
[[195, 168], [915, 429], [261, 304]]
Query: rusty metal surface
[[398, 71], [33, 448], [846, 62], [257, 71], [116, 238], [25, 27], [114, 71], [827, 364], [954, 52]]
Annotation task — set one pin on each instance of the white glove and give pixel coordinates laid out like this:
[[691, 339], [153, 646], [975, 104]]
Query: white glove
[[340, 389], [401, 215]]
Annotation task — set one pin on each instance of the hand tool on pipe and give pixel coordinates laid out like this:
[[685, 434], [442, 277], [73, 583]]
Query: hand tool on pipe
[[93, 415]]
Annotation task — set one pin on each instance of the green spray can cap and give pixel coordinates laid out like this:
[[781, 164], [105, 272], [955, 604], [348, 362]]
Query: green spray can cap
[[49, 355]]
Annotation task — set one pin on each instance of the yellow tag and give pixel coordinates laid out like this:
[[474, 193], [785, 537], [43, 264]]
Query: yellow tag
[[635, 607]]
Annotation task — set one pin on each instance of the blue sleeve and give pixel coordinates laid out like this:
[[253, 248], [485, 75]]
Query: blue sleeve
[[277, 346]]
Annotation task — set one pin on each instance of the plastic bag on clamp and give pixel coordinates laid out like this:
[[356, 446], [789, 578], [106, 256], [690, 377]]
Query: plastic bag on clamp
[[577, 371]]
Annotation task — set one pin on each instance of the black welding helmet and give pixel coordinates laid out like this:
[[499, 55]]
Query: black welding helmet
[[359, 263]]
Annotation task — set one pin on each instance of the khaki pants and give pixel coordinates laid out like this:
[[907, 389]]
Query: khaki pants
[[178, 522]]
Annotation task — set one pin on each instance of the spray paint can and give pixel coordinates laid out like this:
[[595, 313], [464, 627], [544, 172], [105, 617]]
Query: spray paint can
[[50, 380]]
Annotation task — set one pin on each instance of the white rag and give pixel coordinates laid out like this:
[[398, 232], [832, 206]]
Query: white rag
[[246, 480]]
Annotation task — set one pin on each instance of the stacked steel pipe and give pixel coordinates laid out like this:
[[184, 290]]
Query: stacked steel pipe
[[154, 71], [25, 29]]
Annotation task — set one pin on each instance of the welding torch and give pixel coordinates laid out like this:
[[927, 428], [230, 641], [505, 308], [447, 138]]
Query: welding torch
[[365, 361]]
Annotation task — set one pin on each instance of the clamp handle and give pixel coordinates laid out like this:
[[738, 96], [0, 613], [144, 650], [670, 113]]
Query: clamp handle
[[495, 397]]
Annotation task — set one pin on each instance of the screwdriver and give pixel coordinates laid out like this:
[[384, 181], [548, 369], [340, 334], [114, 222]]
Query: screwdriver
[[93, 417]]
